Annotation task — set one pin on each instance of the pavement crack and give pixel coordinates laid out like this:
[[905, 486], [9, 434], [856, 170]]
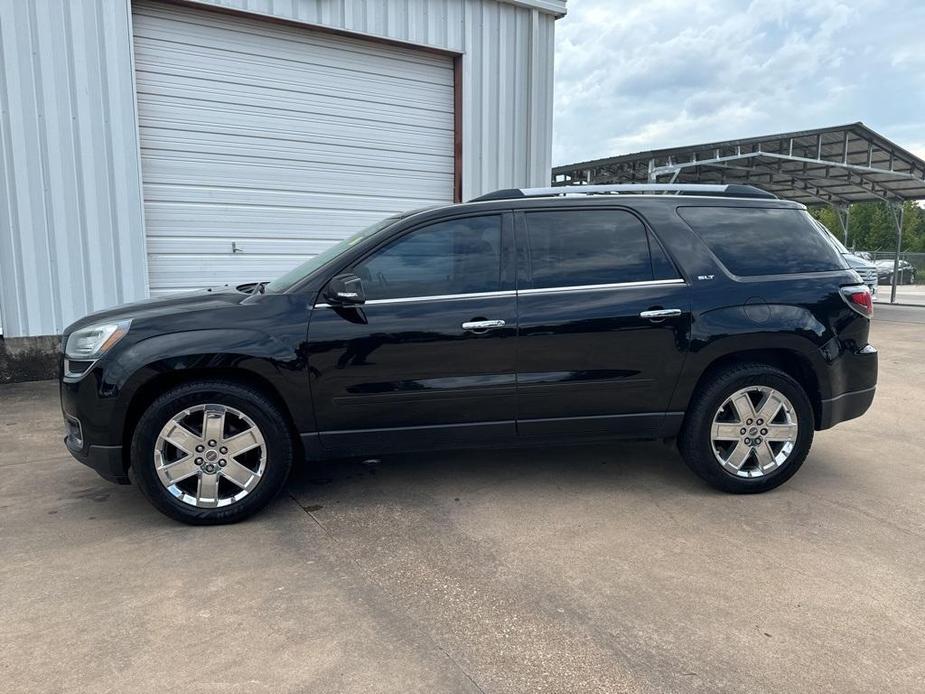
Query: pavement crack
[[310, 514]]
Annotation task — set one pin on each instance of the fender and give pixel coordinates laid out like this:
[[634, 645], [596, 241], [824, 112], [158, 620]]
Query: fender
[[281, 365], [729, 330]]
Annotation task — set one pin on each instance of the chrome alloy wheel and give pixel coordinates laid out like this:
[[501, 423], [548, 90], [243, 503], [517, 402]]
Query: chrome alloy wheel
[[210, 455], [754, 431]]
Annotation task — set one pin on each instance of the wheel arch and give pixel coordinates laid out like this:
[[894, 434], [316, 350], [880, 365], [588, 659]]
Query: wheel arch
[[148, 391], [795, 364]]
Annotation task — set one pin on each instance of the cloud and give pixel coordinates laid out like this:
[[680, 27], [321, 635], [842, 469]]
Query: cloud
[[666, 73]]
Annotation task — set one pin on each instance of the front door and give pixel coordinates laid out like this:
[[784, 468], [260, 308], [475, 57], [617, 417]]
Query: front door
[[428, 360], [593, 358]]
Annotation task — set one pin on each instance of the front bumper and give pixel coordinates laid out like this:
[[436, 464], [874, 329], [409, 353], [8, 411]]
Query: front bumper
[[105, 460], [90, 436]]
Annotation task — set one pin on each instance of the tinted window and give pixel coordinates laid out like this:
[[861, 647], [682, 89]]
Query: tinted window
[[579, 247], [754, 241], [460, 256], [662, 267]]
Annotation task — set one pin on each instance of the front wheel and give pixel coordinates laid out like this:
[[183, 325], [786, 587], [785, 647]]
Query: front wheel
[[211, 452], [748, 429]]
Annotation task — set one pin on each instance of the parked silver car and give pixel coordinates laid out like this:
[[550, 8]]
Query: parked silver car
[[863, 266]]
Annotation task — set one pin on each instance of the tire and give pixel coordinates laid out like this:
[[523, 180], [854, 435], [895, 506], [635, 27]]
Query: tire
[[781, 458], [237, 485]]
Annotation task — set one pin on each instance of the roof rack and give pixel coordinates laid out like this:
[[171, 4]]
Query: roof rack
[[726, 190]]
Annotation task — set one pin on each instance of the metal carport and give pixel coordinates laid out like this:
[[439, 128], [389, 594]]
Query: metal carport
[[833, 166]]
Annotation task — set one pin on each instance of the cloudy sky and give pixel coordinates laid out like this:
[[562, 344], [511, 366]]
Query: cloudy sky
[[632, 76]]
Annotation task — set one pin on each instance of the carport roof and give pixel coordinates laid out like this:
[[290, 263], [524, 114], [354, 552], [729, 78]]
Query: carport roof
[[832, 166]]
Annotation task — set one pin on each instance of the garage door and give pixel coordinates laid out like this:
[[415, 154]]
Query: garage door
[[262, 143]]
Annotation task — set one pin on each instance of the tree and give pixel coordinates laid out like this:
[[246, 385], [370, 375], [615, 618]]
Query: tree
[[913, 227], [871, 226], [829, 219]]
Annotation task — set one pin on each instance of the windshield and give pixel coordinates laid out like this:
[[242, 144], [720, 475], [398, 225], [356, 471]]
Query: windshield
[[300, 272]]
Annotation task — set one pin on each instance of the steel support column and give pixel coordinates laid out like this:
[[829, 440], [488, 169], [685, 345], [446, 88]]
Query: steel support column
[[842, 212], [898, 219]]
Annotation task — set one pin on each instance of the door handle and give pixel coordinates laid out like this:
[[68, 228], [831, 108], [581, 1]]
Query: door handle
[[661, 313], [482, 324]]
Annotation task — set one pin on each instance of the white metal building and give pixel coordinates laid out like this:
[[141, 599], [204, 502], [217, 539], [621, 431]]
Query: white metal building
[[156, 146]]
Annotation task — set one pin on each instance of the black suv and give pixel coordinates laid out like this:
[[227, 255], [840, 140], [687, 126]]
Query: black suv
[[718, 315]]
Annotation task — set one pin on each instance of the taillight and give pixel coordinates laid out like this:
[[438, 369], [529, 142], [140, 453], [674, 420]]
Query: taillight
[[858, 297]]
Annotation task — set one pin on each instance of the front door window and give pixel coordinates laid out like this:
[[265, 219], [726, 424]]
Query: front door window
[[460, 256]]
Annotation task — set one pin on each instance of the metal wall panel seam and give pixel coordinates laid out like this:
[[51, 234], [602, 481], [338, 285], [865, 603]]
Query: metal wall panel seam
[[80, 189], [127, 173], [19, 172], [43, 162], [52, 103], [139, 183], [10, 276], [110, 162]]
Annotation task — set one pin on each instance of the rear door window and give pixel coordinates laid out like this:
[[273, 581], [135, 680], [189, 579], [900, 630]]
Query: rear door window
[[570, 248], [763, 241], [662, 267]]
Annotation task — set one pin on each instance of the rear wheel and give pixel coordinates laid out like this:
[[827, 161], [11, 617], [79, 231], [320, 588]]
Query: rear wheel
[[211, 452], [748, 430]]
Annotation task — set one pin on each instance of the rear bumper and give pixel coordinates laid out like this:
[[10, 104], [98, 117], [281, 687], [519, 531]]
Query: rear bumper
[[848, 381], [105, 460], [845, 406]]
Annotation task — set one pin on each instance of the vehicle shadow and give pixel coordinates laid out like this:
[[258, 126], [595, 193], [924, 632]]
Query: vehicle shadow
[[644, 466]]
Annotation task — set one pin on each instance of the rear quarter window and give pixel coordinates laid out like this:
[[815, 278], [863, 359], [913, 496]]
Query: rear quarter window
[[763, 241]]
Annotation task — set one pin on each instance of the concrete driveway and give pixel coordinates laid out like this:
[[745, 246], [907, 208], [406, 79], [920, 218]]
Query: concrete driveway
[[605, 569]]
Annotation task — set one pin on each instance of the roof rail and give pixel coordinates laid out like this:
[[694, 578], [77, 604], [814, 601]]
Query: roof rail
[[725, 190]]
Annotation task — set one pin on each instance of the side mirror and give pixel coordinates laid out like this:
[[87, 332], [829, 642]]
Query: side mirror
[[345, 290]]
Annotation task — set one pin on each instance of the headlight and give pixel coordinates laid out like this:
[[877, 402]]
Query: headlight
[[94, 341]]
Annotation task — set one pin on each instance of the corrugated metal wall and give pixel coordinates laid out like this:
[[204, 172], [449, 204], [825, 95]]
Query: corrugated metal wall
[[71, 232], [71, 225]]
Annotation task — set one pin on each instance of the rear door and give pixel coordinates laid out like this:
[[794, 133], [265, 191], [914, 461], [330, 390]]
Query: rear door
[[604, 318]]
